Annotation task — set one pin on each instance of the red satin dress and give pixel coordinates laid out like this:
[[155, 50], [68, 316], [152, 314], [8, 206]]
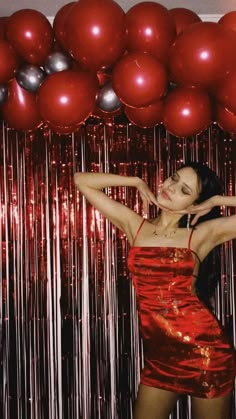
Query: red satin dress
[[186, 350]]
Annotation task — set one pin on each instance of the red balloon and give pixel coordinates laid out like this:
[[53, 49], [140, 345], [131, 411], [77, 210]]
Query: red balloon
[[59, 23], [150, 28], [68, 97], [31, 35], [95, 33], [225, 119], [139, 79], [183, 17], [187, 111], [225, 92], [229, 20], [203, 53], [21, 110], [65, 130], [3, 26], [150, 116], [8, 62]]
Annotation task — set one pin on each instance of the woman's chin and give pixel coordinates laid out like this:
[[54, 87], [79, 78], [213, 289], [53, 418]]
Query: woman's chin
[[165, 204]]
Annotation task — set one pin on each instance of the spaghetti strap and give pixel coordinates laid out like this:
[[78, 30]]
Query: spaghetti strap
[[189, 245], [190, 238], [137, 232]]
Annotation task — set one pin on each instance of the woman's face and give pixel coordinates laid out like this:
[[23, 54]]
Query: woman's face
[[179, 191]]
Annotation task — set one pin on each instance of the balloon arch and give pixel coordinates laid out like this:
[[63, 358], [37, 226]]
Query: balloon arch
[[152, 65]]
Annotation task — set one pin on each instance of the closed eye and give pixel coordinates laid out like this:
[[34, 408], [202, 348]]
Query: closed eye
[[185, 190]]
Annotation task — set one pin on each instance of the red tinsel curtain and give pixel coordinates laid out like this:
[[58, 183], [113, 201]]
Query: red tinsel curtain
[[69, 340]]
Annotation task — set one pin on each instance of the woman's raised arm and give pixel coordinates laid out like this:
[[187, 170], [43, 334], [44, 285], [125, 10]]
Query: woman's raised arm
[[91, 185], [220, 229]]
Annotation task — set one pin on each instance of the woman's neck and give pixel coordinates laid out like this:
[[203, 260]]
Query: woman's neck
[[167, 221]]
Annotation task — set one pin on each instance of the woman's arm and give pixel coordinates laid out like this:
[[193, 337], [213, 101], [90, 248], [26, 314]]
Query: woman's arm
[[206, 206], [91, 185], [220, 229]]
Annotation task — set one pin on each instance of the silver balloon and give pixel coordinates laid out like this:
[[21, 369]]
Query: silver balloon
[[3, 94], [30, 77], [107, 100], [57, 61]]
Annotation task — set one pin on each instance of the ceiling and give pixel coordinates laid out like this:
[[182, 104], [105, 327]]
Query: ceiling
[[50, 7]]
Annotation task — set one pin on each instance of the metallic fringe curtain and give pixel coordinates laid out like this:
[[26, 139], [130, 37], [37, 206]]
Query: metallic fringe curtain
[[69, 340]]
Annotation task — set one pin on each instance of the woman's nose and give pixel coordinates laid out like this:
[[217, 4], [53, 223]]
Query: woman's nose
[[172, 187]]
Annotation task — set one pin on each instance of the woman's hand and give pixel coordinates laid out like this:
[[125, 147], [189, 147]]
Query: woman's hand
[[146, 195], [201, 209]]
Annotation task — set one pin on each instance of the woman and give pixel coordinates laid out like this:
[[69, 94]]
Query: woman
[[186, 350]]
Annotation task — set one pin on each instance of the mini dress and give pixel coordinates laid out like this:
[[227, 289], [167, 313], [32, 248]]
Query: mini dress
[[185, 347]]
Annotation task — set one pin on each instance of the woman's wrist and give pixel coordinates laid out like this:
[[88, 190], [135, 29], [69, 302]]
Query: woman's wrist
[[138, 182], [218, 200], [224, 200]]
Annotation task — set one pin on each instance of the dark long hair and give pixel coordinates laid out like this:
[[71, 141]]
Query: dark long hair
[[210, 268]]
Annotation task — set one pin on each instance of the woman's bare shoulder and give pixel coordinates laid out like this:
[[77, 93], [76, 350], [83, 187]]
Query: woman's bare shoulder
[[135, 223], [202, 241]]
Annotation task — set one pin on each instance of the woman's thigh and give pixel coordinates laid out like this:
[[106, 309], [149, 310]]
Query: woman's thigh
[[217, 408], [153, 403]]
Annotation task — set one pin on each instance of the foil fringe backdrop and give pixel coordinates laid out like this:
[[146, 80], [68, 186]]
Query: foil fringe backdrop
[[69, 340]]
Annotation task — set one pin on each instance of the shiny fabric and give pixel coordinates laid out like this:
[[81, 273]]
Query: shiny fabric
[[185, 347]]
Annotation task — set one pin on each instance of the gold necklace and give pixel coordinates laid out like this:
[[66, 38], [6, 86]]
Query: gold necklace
[[166, 235]]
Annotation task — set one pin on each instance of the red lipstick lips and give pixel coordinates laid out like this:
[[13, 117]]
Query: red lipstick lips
[[165, 195]]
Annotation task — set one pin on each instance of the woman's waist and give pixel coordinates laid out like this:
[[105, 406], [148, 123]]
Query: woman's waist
[[157, 300], [191, 318]]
